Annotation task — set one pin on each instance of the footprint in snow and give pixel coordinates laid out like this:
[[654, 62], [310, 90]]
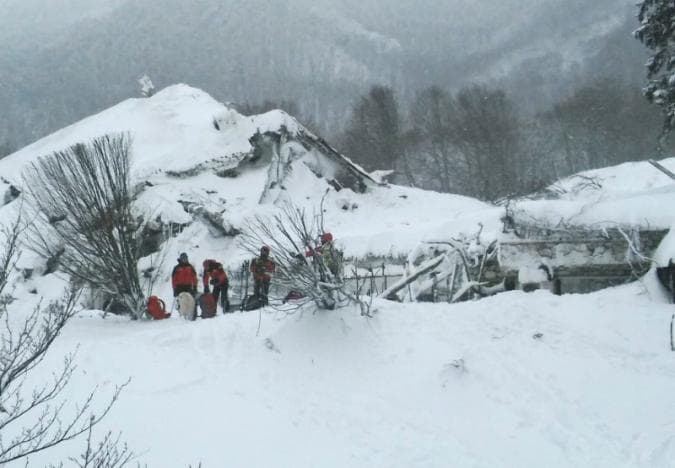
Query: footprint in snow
[[269, 344], [454, 368]]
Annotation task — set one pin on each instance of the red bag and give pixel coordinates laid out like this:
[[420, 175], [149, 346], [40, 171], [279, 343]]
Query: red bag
[[207, 303], [157, 308]]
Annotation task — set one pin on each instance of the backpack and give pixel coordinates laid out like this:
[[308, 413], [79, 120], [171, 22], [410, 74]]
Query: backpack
[[187, 308], [157, 309], [253, 302], [207, 304]]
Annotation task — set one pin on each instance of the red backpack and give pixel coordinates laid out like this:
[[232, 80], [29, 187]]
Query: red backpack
[[207, 303], [157, 308]]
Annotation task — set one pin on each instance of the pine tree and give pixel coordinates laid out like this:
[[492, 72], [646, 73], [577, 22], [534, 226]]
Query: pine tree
[[657, 32]]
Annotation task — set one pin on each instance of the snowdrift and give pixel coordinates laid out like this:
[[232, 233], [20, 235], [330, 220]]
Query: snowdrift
[[514, 380]]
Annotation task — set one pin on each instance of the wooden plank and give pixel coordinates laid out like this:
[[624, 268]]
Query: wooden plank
[[421, 270]]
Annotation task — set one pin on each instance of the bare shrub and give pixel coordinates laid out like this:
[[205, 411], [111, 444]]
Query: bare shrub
[[82, 204], [317, 278], [34, 418]]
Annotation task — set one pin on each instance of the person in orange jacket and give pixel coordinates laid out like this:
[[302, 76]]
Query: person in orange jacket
[[184, 277], [215, 275], [262, 268]]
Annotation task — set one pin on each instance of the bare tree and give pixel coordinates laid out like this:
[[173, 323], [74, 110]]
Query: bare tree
[[83, 208], [33, 419], [374, 134], [108, 453], [486, 130], [432, 143], [318, 278]]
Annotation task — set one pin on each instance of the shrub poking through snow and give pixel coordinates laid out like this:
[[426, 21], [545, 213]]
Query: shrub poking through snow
[[309, 266]]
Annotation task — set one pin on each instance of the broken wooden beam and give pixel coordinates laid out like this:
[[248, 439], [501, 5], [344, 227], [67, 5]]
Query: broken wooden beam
[[660, 167]]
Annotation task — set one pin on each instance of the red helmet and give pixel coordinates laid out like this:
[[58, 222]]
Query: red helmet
[[326, 237]]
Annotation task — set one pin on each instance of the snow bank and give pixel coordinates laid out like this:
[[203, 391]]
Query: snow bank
[[630, 194], [514, 380]]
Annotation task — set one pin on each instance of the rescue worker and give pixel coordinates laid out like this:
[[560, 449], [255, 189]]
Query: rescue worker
[[330, 256], [296, 268], [215, 275], [262, 268], [184, 277]]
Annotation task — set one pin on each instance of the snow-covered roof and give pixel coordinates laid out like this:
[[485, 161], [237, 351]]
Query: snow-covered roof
[[633, 194]]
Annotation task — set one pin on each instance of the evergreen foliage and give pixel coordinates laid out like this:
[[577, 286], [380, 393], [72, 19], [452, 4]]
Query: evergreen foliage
[[657, 32]]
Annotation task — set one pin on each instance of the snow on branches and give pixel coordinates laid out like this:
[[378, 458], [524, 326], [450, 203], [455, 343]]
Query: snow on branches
[[657, 33]]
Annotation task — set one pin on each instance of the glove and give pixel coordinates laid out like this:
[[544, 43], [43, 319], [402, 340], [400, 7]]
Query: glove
[[206, 289], [175, 293]]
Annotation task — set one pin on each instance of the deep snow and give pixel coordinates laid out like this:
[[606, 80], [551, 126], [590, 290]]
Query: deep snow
[[429, 385]]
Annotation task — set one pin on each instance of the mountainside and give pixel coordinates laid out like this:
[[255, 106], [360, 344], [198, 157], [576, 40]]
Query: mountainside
[[320, 54]]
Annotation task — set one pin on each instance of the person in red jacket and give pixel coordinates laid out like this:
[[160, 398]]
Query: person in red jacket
[[184, 277], [262, 268], [215, 275]]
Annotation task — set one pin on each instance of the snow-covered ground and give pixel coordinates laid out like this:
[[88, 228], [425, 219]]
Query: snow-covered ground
[[516, 380], [426, 385]]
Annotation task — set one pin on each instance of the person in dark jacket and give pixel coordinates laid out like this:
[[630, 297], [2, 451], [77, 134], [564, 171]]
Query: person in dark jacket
[[262, 268], [184, 277], [215, 275]]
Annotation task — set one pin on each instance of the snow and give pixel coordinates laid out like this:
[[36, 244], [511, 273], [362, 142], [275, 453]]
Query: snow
[[417, 385], [173, 134], [171, 131], [513, 380], [391, 220], [630, 194], [666, 251]]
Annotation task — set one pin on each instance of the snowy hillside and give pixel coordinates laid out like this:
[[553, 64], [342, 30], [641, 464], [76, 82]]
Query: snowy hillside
[[514, 380]]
